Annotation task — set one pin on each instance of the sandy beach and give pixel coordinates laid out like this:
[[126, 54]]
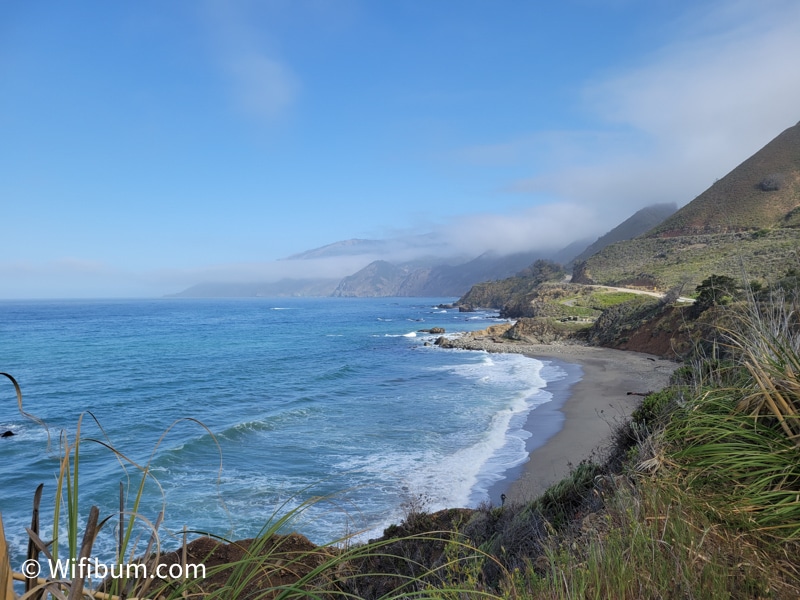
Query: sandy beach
[[587, 405], [592, 406]]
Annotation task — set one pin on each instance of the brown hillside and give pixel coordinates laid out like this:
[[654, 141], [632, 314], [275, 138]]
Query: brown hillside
[[759, 193]]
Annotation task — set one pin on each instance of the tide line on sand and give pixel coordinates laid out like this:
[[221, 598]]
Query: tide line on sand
[[592, 400]]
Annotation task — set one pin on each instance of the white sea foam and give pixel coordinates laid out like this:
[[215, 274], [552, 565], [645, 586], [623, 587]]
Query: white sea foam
[[474, 469], [23, 432], [462, 476]]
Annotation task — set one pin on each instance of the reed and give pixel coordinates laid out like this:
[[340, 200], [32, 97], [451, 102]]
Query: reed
[[740, 439], [768, 343]]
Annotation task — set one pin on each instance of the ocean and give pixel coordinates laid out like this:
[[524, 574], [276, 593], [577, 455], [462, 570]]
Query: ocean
[[339, 412]]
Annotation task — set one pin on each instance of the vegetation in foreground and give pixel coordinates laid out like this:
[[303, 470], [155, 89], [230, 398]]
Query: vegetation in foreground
[[698, 497]]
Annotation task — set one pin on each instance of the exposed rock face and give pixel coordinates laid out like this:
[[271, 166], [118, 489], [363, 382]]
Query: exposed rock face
[[433, 330], [541, 302], [505, 335], [379, 278], [473, 339], [581, 274], [615, 325], [496, 294], [533, 330], [493, 330], [504, 338]]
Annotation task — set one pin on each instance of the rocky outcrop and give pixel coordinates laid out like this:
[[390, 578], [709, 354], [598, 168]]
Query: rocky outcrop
[[510, 337], [581, 274], [496, 294], [547, 300], [534, 331], [475, 340], [615, 325]]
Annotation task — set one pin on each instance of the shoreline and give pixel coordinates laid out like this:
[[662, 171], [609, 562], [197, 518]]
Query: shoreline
[[542, 423], [593, 406], [587, 404]]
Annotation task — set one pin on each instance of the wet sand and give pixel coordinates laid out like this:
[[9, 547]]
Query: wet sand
[[586, 406], [591, 408]]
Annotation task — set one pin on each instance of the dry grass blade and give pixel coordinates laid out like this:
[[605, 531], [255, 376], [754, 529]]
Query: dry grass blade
[[76, 589], [779, 403], [6, 579], [768, 343], [41, 546], [151, 559], [33, 549]]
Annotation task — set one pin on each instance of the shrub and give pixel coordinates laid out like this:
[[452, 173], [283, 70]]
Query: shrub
[[654, 407], [772, 183], [716, 290]]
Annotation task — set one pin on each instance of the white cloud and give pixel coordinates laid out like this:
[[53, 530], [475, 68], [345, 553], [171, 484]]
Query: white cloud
[[262, 84], [724, 91], [545, 227], [682, 117]]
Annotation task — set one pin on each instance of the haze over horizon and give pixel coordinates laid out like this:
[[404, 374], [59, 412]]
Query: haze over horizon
[[147, 147]]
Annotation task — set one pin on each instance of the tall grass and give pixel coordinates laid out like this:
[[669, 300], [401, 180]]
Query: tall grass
[[768, 343], [749, 470], [739, 438], [651, 541]]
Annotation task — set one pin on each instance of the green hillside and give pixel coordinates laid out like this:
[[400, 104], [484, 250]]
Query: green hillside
[[640, 222], [745, 225], [662, 263]]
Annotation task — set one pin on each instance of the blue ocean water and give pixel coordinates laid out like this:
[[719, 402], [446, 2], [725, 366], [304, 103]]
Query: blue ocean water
[[299, 399]]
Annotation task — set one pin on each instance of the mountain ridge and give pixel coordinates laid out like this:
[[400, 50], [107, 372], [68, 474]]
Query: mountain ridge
[[745, 225], [758, 193], [637, 224]]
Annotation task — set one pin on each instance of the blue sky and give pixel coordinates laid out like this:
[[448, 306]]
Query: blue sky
[[148, 146]]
